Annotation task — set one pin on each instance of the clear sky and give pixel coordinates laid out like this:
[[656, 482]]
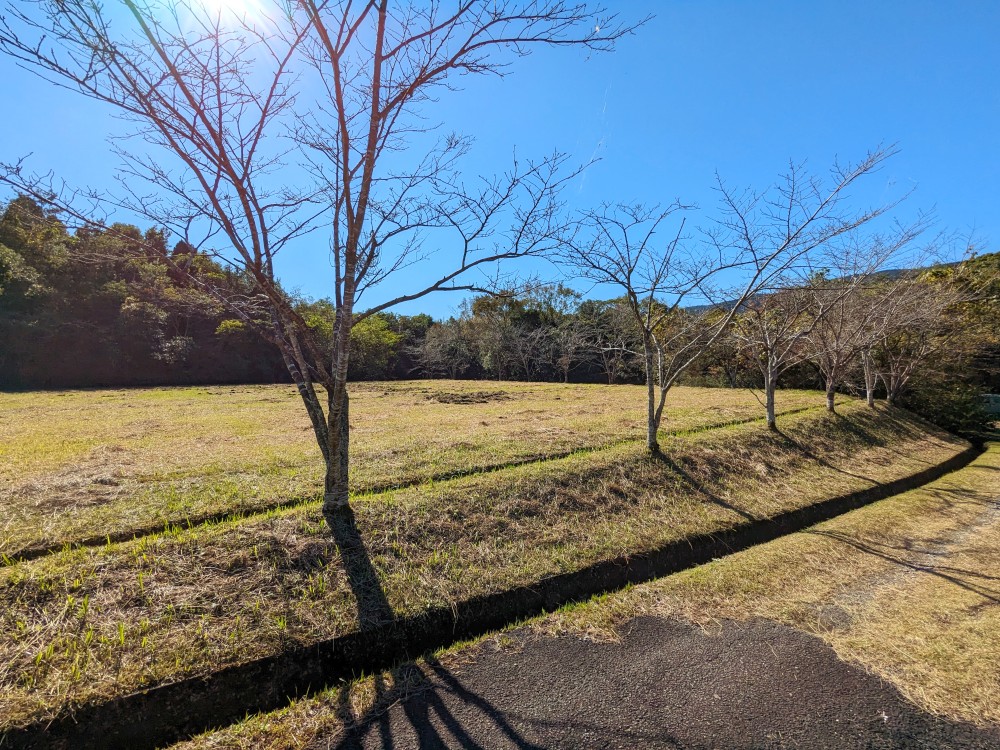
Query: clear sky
[[737, 87]]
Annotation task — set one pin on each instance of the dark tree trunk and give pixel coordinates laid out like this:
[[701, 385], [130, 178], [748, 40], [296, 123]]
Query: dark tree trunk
[[652, 444], [336, 485]]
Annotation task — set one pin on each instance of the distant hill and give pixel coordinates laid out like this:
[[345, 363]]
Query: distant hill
[[890, 273]]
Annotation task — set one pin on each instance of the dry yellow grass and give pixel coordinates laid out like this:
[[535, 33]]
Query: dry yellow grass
[[908, 588], [92, 624], [77, 463]]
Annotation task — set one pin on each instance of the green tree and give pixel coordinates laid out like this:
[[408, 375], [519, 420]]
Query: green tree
[[374, 346]]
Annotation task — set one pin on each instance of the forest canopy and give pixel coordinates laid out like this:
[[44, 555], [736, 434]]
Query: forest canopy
[[120, 306]]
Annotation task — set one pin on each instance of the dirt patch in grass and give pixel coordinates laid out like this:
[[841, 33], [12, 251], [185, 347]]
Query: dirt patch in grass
[[907, 588], [469, 397], [174, 454], [91, 624]]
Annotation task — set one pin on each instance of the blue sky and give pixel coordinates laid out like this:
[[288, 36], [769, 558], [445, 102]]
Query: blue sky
[[734, 87]]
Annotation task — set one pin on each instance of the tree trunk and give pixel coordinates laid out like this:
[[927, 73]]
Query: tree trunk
[[306, 388], [652, 444], [770, 379], [870, 381], [894, 386], [830, 396], [336, 484]]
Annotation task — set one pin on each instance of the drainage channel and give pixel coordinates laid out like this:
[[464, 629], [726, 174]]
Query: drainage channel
[[163, 715]]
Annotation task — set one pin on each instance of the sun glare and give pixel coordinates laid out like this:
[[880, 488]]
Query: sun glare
[[248, 11]]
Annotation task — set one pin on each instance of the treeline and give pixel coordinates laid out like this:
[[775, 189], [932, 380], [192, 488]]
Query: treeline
[[110, 307], [927, 339], [540, 333], [118, 306]]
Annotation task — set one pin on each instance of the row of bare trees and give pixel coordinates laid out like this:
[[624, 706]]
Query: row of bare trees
[[864, 331], [762, 242], [306, 122], [873, 327]]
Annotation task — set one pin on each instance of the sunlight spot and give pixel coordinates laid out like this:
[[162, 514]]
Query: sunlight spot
[[246, 11]]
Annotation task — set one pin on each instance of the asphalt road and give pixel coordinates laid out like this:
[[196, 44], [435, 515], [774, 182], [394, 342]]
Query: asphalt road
[[665, 685]]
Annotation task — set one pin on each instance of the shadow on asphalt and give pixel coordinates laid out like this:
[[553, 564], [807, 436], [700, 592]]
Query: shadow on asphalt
[[433, 726], [665, 685], [421, 701]]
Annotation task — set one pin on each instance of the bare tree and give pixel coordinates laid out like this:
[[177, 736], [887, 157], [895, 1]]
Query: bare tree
[[914, 328], [759, 237], [569, 346], [446, 350], [853, 304], [770, 330], [845, 328], [222, 107], [610, 334], [777, 326], [882, 309]]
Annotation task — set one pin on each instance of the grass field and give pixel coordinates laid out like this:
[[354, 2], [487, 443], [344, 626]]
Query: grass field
[[78, 462], [93, 623], [907, 588]]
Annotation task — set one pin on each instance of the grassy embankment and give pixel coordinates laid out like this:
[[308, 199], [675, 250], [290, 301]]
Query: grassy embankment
[[76, 464], [906, 588], [90, 624]]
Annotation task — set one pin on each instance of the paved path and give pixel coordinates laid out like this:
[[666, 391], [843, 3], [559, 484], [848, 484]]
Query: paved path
[[665, 685]]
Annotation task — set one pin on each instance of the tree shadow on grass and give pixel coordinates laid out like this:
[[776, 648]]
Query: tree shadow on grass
[[810, 454], [700, 488], [374, 609], [954, 496], [956, 576]]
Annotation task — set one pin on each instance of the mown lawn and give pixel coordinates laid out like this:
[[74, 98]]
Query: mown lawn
[[906, 588], [90, 624], [78, 463]]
